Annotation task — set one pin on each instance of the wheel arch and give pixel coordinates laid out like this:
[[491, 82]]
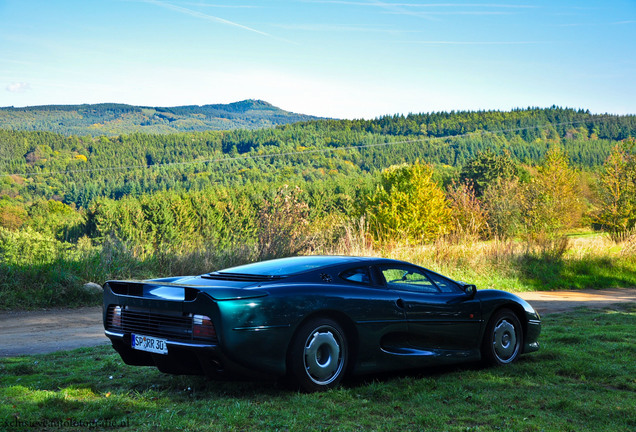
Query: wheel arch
[[516, 308], [347, 324], [495, 344]]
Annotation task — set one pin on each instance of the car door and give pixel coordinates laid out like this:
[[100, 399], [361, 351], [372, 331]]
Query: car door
[[440, 315], [379, 316]]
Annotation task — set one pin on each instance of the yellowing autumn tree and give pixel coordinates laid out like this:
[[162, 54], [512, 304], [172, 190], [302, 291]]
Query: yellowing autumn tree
[[409, 204], [552, 198], [617, 212]]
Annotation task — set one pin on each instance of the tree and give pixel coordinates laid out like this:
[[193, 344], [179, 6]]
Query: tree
[[552, 196], [486, 167], [12, 216], [408, 204], [56, 219], [617, 213]]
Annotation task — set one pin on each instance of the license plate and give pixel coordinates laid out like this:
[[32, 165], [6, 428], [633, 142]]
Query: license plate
[[149, 343]]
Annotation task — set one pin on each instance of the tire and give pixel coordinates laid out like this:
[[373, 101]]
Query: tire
[[503, 340], [318, 355]]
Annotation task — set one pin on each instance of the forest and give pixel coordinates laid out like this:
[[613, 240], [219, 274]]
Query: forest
[[115, 119], [500, 198]]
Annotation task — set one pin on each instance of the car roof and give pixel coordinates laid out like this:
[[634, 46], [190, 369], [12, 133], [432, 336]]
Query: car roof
[[293, 265]]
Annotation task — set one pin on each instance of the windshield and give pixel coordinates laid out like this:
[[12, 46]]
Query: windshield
[[284, 266]]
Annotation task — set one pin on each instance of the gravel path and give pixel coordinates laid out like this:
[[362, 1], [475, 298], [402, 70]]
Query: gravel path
[[39, 332], [45, 331]]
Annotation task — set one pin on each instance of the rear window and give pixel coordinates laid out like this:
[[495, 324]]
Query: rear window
[[357, 275], [284, 266]]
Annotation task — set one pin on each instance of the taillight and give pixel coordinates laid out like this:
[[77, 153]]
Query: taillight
[[202, 327], [115, 317]]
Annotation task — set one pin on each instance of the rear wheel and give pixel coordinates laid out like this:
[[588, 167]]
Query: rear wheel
[[503, 339], [318, 355]]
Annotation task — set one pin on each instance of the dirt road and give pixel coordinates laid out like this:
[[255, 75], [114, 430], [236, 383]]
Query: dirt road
[[23, 333], [560, 301], [39, 332]]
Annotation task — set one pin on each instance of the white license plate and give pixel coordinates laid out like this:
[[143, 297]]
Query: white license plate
[[149, 343]]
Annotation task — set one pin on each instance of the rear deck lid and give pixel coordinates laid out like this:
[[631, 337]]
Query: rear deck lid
[[170, 291]]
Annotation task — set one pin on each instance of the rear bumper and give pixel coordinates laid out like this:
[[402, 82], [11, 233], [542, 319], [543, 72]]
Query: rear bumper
[[183, 358]]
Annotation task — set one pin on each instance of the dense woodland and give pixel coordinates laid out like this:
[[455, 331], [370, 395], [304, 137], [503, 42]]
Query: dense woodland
[[78, 208], [75, 170], [115, 119]]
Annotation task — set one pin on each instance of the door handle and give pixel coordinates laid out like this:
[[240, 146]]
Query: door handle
[[400, 303]]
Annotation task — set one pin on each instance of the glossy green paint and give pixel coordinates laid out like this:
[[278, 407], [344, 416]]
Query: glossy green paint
[[386, 329]]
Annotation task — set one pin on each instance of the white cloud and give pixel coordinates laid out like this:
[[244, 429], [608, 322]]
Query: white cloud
[[18, 87]]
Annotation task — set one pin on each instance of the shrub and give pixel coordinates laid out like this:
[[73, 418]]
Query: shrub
[[283, 224], [503, 201], [469, 214], [547, 247]]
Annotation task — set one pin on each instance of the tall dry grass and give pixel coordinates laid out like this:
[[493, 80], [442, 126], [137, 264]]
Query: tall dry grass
[[542, 262]]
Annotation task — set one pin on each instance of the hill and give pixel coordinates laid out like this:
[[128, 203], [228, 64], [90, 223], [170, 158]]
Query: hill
[[118, 119]]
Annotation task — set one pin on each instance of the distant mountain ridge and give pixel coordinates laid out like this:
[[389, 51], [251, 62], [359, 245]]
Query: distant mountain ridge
[[113, 119]]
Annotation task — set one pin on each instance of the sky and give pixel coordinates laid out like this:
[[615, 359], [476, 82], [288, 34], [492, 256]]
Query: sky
[[331, 58]]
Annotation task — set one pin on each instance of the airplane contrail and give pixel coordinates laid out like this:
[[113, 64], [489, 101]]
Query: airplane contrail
[[197, 14]]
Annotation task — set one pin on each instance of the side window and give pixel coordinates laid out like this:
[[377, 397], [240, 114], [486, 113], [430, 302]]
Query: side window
[[408, 279], [444, 284], [357, 275]]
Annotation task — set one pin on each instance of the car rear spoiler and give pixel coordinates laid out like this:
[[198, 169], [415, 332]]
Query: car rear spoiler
[[179, 292]]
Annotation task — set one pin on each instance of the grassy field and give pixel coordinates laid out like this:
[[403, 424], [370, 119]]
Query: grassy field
[[581, 260], [583, 378]]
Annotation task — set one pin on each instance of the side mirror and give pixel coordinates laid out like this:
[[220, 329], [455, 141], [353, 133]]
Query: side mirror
[[470, 290]]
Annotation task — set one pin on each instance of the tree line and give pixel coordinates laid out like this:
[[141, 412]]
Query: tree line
[[77, 169]]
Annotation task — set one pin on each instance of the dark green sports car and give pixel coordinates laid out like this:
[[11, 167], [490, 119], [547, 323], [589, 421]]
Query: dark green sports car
[[314, 319]]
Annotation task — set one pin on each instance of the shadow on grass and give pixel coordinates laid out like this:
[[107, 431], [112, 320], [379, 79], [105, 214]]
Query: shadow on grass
[[44, 285], [102, 372], [548, 273], [410, 374]]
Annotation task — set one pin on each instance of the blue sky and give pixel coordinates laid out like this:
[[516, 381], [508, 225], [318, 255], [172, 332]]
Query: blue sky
[[344, 59]]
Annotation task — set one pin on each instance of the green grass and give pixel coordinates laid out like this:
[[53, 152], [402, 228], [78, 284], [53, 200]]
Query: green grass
[[588, 261], [583, 378], [536, 274]]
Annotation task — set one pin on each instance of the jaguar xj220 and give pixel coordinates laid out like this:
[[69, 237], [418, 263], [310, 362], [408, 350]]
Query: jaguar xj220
[[314, 320]]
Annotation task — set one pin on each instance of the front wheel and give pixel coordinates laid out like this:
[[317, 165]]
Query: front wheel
[[318, 355], [503, 339]]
